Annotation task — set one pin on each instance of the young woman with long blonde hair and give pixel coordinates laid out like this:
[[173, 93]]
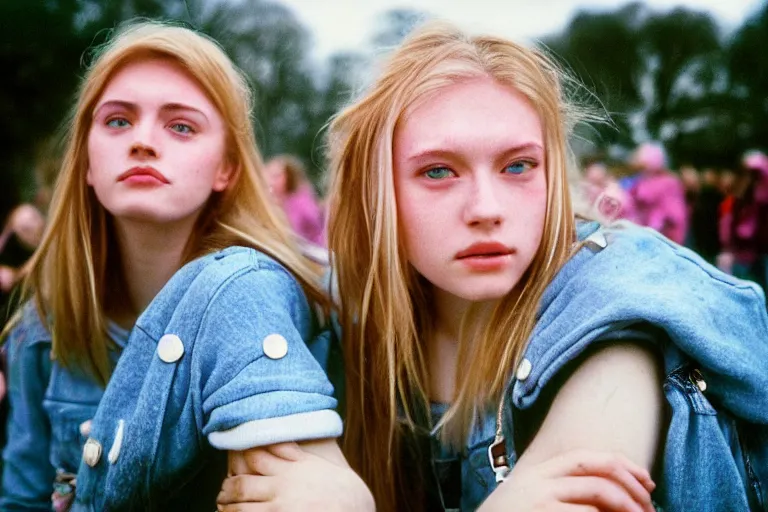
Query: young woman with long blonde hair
[[500, 352], [171, 309]]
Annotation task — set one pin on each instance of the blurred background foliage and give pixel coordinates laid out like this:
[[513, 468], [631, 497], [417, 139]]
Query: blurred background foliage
[[674, 76]]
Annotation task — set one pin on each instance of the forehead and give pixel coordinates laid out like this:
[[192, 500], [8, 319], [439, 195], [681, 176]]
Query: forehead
[[156, 80], [478, 111]]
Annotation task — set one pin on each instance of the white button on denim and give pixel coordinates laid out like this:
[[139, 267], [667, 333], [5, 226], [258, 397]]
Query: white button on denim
[[92, 452], [275, 346], [170, 348], [85, 428], [114, 452], [523, 369], [597, 239]]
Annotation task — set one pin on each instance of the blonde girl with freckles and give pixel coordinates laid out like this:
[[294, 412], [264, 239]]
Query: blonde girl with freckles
[[502, 353], [171, 313]]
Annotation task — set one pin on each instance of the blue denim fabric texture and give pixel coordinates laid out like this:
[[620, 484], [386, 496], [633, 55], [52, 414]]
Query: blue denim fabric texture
[[221, 306], [715, 330]]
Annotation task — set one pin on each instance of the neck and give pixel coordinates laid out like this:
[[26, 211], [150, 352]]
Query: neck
[[151, 253], [448, 311], [443, 344]]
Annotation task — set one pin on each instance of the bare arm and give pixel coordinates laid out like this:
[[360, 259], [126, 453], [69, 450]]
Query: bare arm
[[613, 402], [598, 441]]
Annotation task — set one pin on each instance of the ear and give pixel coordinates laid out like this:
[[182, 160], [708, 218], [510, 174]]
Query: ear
[[223, 176]]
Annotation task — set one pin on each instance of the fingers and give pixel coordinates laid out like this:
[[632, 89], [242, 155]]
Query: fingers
[[288, 451], [598, 492], [236, 464], [633, 478], [265, 460], [256, 461], [246, 489]]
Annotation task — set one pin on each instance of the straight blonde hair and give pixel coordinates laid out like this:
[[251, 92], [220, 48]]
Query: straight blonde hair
[[384, 303], [75, 275]]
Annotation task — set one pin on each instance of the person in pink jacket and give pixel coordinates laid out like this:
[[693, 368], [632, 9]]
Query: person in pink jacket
[[292, 190], [659, 197], [744, 222]]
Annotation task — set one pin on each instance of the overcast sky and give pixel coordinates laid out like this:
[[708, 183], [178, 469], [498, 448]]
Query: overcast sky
[[348, 24]]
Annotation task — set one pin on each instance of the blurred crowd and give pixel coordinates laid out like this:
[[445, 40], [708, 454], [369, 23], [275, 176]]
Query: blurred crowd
[[722, 214]]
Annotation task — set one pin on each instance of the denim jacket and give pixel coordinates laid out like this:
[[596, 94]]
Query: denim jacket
[[218, 361], [712, 334]]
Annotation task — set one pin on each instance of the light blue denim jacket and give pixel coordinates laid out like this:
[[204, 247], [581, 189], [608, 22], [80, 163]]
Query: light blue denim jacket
[[711, 331], [171, 409]]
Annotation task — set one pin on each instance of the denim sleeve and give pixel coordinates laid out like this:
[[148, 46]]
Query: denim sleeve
[[27, 472], [259, 383]]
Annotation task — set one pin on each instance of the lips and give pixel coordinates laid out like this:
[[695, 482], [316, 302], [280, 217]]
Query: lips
[[144, 171], [484, 250]]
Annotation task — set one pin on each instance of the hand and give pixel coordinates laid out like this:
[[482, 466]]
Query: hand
[[289, 478], [576, 481]]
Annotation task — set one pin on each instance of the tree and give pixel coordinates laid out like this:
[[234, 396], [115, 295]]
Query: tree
[[660, 75], [747, 63], [681, 50], [603, 52]]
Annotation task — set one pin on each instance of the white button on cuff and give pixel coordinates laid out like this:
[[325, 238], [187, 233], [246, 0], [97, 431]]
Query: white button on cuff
[[523, 370], [170, 348], [92, 452], [275, 346]]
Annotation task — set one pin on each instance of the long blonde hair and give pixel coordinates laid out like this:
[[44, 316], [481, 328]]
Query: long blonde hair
[[76, 271], [385, 307]]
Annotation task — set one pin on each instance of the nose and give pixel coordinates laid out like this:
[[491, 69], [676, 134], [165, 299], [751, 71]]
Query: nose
[[144, 144], [483, 207]]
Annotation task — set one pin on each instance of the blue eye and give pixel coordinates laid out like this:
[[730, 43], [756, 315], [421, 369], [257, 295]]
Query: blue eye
[[518, 167], [439, 173], [118, 122], [182, 128]]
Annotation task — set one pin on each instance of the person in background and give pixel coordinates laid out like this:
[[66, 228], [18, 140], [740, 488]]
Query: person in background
[[19, 238], [757, 163], [691, 181], [705, 217], [605, 196], [658, 195], [744, 221], [289, 185]]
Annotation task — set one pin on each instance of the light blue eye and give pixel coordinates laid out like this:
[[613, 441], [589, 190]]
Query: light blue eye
[[118, 122], [182, 128], [439, 173], [518, 167]]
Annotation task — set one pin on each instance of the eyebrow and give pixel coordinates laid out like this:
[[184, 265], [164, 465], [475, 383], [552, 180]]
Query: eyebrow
[[443, 153], [133, 107]]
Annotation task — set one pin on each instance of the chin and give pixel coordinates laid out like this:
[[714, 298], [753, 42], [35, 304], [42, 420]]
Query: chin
[[146, 215], [484, 293]]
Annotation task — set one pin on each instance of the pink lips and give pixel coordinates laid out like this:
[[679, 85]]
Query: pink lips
[[143, 175], [485, 256]]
